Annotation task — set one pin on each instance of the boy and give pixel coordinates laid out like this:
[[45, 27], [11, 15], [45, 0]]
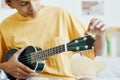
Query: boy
[[44, 27]]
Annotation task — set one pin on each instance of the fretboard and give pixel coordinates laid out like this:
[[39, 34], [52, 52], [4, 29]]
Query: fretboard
[[43, 54]]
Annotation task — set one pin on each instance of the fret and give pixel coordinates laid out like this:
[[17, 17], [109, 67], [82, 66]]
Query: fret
[[42, 55]]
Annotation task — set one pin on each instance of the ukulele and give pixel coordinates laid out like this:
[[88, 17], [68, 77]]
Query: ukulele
[[34, 57]]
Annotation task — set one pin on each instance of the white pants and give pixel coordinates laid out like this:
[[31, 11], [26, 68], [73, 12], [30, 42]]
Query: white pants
[[83, 78], [42, 79], [4, 77]]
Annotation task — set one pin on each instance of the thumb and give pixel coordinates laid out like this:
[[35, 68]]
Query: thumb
[[87, 32], [18, 52]]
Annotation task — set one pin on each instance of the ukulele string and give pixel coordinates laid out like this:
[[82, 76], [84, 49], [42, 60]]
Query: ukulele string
[[28, 58], [41, 56], [42, 52]]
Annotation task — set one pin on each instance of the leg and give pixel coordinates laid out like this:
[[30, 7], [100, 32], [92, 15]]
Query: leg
[[85, 79]]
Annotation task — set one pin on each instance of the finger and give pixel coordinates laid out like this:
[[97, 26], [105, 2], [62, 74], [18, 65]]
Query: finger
[[19, 75], [90, 28], [27, 70], [93, 25], [23, 73], [103, 28], [19, 52], [90, 25], [100, 31], [28, 74], [92, 20], [100, 24], [88, 32]]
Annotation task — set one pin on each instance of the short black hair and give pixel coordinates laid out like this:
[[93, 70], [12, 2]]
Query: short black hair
[[7, 0]]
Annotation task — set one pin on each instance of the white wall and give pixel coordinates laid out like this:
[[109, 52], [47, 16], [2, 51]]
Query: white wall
[[112, 12], [5, 13], [111, 16]]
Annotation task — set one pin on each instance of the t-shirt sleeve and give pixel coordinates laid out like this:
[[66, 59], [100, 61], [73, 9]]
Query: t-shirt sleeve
[[3, 48]]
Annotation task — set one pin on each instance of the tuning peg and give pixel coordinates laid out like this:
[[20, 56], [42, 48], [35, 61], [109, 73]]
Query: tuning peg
[[77, 48], [92, 47], [85, 38], [86, 46], [76, 41]]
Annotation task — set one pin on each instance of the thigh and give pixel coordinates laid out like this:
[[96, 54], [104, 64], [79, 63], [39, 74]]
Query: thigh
[[35, 78], [86, 79]]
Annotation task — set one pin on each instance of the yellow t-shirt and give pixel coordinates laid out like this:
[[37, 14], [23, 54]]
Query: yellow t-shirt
[[53, 26]]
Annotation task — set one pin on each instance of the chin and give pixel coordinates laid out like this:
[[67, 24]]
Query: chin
[[33, 16]]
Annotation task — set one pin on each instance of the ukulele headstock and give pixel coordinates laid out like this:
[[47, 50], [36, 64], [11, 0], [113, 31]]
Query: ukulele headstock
[[79, 44]]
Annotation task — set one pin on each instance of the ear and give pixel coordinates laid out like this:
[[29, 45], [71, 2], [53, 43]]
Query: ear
[[10, 4]]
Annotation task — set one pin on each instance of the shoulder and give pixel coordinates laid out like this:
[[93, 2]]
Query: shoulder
[[58, 10], [9, 18], [7, 21]]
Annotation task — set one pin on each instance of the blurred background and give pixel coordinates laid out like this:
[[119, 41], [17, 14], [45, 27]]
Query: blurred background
[[85, 10]]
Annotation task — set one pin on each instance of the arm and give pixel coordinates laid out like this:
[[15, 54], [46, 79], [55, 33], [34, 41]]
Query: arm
[[99, 44], [98, 28], [16, 68], [13, 66]]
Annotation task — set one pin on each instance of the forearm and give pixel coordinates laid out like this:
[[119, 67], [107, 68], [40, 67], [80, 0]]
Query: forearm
[[99, 44], [2, 66]]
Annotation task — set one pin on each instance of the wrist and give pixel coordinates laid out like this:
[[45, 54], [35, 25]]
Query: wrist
[[2, 66], [100, 36]]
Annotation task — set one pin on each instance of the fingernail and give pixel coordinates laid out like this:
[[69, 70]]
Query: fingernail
[[32, 74], [91, 27], [102, 29], [87, 32], [97, 26]]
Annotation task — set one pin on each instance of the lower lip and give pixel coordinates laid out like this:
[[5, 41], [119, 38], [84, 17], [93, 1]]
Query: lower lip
[[32, 14]]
